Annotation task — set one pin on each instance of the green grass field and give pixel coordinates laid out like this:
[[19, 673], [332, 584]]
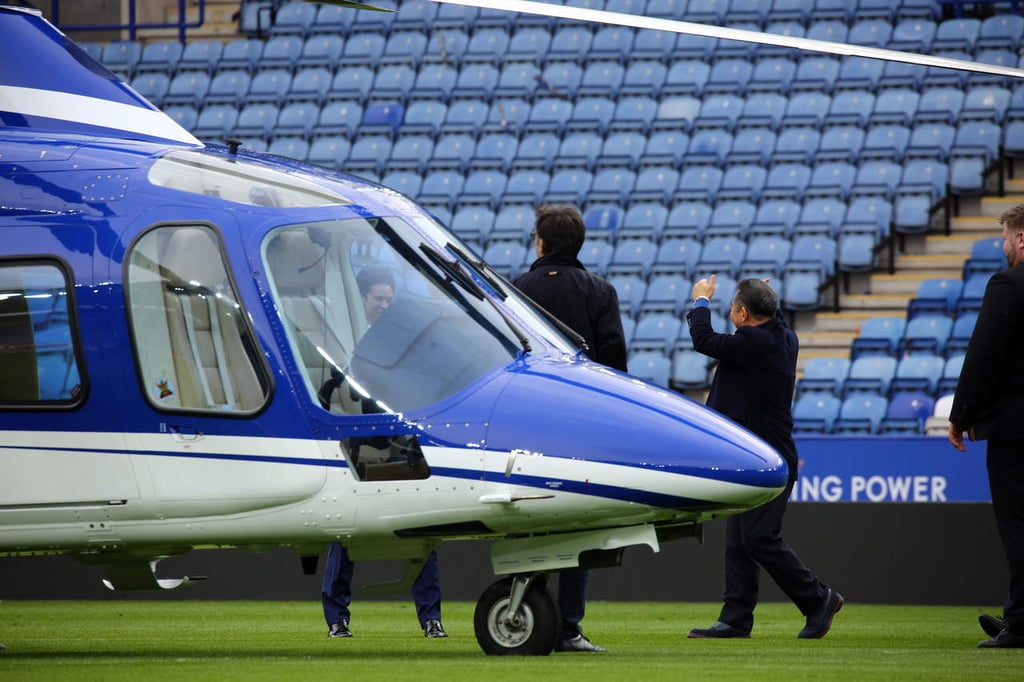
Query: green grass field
[[186, 640]]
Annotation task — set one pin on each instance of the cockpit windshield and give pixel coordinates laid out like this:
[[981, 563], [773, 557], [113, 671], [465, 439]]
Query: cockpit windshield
[[380, 320]]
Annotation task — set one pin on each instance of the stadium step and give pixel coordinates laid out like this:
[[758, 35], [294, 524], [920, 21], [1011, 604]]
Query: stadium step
[[903, 282], [951, 263]]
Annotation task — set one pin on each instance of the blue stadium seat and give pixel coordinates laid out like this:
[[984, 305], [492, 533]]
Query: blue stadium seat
[[382, 118], [351, 83], [939, 105], [935, 295], [655, 332], [772, 74], [446, 47], [526, 187], [817, 74], [1001, 31], [375, 22], [321, 51], [644, 218], [870, 33], [913, 35], [536, 151], [369, 153], [465, 116], [424, 117], [402, 47], [591, 114], [601, 79], [690, 371], [441, 187], [719, 111], [621, 150], [281, 52], [595, 255], [815, 413], [938, 77], [743, 182], [806, 108], [950, 374], [886, 143], [850, 107], [269, 86], [579, 150], [823, 375], [685, 77], [294, 18], [722, 256], [922, 185], [696, 183], [548, 114], [216, 122], [329, 151], [878, 335], [613, 184], [833, 10], [664, 148], [184, 115], [121, 56], [634, 113], [960, 335], [631, 290], [571, 185], [406, 182], [602, 221], [907, 413], [695, 47], [297, 120], [309, 85], [919, 372], [153, 86], [676, 256], [561, 80], [841, 143], [650, 366], [871, 374], [733, 217], [987, 103], [766, 253], [645, 78], [452, 152], [677, 113], [897, 106], [776, 217], [434, 81], [729, 76], [986, 257], [485, 44], [762, 110], [859, 73], [256, 121], [796, 145], [787, 181], [976, 147], [473, 223], [570, 43], [494, 151], [507, 257], [688, 219], [476, 82], [710, 146], [190, 88], [751, 146], [779, 25], [832, 180], [878, 179], [160, 57], [527, 43], [410, 153], [652, 44], [632, 256], [928, 334], [482, 187], [956, 35]]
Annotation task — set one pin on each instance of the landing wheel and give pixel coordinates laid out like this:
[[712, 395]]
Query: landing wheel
[[531, 630]]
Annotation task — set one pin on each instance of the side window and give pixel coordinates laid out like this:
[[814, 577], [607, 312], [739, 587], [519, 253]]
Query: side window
[[38, 359], [193, 345]]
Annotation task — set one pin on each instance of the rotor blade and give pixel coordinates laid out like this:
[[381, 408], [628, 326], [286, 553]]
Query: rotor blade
[[353, 5], [689, 28]]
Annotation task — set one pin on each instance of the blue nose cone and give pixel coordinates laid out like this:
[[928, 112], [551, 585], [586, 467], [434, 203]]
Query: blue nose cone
[[581, 410]]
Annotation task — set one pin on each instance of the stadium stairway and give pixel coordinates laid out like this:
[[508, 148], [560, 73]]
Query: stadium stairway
[[878, 294]]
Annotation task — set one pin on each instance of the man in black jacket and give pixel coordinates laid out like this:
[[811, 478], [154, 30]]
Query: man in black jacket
[[988, 404], [753, 386], [588, 304]]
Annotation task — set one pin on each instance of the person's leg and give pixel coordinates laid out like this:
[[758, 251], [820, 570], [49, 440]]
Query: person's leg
[[1006, 485], [426, 591], [572, 599], [764, 544], [336, 593], [742, 575]]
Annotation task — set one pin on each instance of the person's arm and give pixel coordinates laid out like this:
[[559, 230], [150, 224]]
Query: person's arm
[[730, 347], [610, 338], [983, 363]]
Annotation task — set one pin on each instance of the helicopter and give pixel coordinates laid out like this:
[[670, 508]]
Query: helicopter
[[188, 365]]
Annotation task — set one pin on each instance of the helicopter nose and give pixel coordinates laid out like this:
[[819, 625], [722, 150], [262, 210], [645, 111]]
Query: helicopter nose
[[658, 447]]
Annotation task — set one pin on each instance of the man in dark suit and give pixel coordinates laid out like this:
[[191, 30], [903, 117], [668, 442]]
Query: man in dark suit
[[753, 386], [589, 305], [989, 404]]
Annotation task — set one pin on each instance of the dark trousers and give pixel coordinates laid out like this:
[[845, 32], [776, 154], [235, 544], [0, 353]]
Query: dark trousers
[[753, 542], [572, 599], [336, 593], [1006, 484]]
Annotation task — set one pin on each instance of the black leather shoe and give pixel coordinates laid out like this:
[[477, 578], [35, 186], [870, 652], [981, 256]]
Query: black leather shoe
[[719, 630], [339, 630], [578, 643], [433, 629], [820, 622], [1003, 640], [992, 625]]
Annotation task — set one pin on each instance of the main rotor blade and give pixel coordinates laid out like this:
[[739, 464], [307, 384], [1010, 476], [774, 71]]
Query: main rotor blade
[[689, 28]]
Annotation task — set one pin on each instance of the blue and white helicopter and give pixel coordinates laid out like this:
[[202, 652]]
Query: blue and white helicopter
[[186, 363]]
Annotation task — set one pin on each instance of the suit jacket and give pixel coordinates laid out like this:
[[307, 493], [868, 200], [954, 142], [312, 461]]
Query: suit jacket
[[585, 302], [990, 394], [753, 384]]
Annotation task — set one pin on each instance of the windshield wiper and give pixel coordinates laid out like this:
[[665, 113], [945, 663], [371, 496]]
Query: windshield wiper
[[455, 271]]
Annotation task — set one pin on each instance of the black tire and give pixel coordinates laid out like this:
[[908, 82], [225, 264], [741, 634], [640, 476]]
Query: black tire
[[535, 631]]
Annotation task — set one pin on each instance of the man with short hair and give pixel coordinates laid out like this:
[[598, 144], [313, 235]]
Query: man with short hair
[[589, 305], [988, 405], [753, 386]]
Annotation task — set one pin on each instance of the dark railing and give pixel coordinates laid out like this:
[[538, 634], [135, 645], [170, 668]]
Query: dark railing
[[132, 25]]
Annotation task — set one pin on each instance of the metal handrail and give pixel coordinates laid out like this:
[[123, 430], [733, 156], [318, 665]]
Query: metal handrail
[[133, 26]]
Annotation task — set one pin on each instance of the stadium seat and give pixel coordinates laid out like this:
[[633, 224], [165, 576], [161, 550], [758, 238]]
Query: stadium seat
[[859, 73], [603, 220], [776, 217], [494, 151], [896, 106], [935, 295], [655, 332], [513, 222], [507, 257], [562, 80], [696, 183], [309, 85], [632, 256], [571, 185], [751, 146], [329, 151], [817, 74], [667, 293], [526, 187], [762, 110], [743, 182], [721, 255], [646, 78], [919, 372], [787, 181], [907, 413], [630, 290], [815, 413], [951, 374], [441, 187], [297, 120], [452, 152], [841, 144], [823, 375], [650, 366], [927, 333], [878, 336], [268, 86], [710, 146], [986, 256], [160, 57], [688, 220], [677, 113], [644, 219], [766, 253], [294, 18], [256, 121], [870, 373], [832, 180], [690, 371], [796, 145], [602, 79], [718, 111], [973, 292], [591, 115], [473, 223], [732, 217]]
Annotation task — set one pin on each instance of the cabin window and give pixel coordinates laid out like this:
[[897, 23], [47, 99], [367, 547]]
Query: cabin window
[[193, 344], [38, 349], [378, 320]]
